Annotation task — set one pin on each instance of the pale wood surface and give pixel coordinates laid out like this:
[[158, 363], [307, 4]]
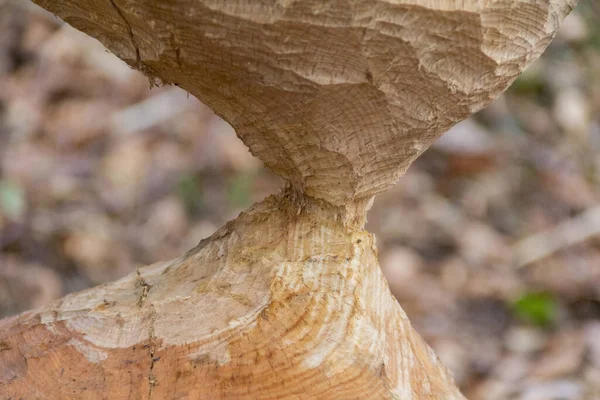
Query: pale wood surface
[[276, 305], [287, 301], [337, 97]]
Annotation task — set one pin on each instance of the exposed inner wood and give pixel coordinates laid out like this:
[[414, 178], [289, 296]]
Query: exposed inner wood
[[337, 97], [283, 302], [287, 301]]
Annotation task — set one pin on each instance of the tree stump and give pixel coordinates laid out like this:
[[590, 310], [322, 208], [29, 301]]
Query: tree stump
[[287, 301]]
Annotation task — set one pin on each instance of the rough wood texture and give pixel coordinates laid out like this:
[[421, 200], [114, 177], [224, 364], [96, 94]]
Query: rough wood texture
[[276, 305], [338, 97], [287, 301]]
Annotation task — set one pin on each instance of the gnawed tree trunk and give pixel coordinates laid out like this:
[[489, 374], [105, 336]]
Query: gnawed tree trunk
[[283, 302], [287, 301]]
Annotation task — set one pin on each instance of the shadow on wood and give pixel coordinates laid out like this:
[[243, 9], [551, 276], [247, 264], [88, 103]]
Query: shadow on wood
[[287, 301]]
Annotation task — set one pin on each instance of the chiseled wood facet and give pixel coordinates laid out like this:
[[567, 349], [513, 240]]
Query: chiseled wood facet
[[284, 302], [338, 97], [287, 301]]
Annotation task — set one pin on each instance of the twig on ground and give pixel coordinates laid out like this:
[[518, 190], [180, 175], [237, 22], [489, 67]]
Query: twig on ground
[[573, 231], [151, 111]]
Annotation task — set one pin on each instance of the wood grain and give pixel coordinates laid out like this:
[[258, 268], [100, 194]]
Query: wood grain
[[338, 97], [276, 305], [287, 301]]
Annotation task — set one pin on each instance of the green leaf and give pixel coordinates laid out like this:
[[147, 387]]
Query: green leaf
[[239, 190], [538, 308], [190, 193], [528, 83], [12, 200]]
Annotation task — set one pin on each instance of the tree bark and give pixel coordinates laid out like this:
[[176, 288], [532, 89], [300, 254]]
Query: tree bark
[[287, 301]]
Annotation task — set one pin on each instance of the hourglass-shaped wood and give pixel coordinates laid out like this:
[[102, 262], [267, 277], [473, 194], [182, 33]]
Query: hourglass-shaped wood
[[287, 301]]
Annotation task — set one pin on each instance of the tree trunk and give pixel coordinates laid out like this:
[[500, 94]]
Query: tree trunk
[[287, 301], [283, 302]]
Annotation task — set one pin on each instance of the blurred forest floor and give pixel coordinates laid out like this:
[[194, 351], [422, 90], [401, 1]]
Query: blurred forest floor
[[491, 242]]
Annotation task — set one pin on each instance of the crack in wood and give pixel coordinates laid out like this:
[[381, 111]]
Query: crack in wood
[[138, 58], [151, 346], [141, 282], [152, 381]]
